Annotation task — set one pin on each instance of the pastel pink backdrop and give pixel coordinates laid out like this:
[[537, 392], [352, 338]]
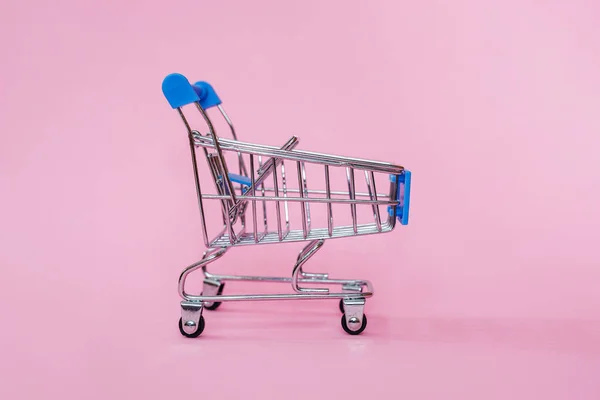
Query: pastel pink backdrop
[[491, 291]]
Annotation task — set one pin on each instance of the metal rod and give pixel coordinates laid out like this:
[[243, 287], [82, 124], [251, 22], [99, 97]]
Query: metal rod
[[264, 202], [274, 162], [265, 170], [216, 168], [307, 204], [307, 252], [302, 208], [332, 192], [329, 204], [196, 176], [254, 222], [285, 203], [300, 155], [267, 297], [370, 178], [212, 164], [300, 199], [277, 204], [242, 166], [217, 146], [286, 279], [350, 175], [297, 235], [210, 255]]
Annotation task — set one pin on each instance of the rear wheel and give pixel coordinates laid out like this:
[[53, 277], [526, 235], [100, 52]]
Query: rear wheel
[[198, 330], [215, 304]]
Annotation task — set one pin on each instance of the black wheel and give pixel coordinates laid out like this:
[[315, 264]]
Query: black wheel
[[195, 334], [216, 304], [363, 325], [342, 306]]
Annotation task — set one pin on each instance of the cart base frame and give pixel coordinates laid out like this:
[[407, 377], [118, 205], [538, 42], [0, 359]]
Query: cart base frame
[[353, 294]]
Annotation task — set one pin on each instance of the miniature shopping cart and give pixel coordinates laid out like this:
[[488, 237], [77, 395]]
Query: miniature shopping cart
[[272, 183]]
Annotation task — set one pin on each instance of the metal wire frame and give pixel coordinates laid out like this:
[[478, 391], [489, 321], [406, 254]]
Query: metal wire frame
[[278, 176], [234, 205]]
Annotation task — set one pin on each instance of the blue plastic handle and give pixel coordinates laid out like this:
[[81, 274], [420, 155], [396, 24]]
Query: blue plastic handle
[[179, 92], [403, 207], [206, 93]]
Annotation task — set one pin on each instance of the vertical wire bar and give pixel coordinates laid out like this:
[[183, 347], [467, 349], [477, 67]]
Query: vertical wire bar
[[254, 222], [198, 190], [262, 189], [370, 178], [329, 204], [242, 166], [232, 235], [391, 220], [350, 176], [285, 203], [277, 205], [219, 152], [217, 166], [301, 192], [224, 171], [212, 163], [306, 195]]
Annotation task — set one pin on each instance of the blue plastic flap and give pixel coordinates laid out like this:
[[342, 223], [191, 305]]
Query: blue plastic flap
[[405, 201], [402, 196], [207, 95], [178, 90]]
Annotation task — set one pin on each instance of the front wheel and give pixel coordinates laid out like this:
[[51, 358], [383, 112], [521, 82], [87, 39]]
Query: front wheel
[[356, 326]]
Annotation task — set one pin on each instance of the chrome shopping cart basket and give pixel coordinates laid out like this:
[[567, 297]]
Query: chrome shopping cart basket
[[271, 183]]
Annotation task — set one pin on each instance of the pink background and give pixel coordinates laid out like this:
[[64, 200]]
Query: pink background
[[490, 293]]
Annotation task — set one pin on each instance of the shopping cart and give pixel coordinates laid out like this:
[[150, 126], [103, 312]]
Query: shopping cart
[[277, 176]]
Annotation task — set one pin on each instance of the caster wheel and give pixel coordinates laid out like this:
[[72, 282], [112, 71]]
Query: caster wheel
[[354, 330], [216, 304], [198, 331], [342, 306]]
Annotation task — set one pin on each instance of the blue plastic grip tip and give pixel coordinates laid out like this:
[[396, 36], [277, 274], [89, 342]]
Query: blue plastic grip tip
[[207, 95], [178, 90]]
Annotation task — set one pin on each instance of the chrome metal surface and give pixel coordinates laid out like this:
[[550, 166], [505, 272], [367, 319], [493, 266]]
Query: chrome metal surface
[[210, 255], [301, 182], [266, 170], [233, 199], [354, 311], [352, 287], [253, 190], [210, 288], [303, 257], [329, 204], [351, 183], [242, 166], [370, 179], [299, 155], [190, 316]]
